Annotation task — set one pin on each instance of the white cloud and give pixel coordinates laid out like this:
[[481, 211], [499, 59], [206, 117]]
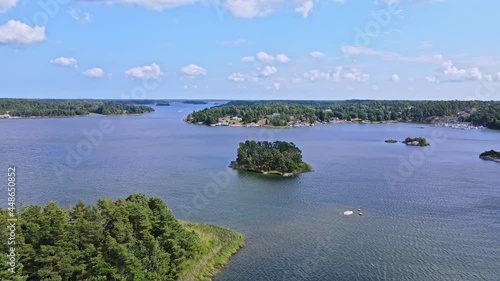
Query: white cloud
[[425, 45], [234, 43], [152, 71], [451, 73], [240, 77], [251, 8], [17, 33], [315, 74], [317, 54], [248, 59], [94, 72], [79, 16], [269, 71], [353, 50], [304, 7], [193, 70], [277, 86], [497, 77], [282, 58], [395, 78], [72, 62], [238, 8], [157, 5], [7, 4], [431, 79], [340, 1], [237, 77], [265, 57], [356, 75], [338, 73], [422, 1]]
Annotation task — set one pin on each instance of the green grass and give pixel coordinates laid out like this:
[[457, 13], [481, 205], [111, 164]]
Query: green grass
[[218, 246]]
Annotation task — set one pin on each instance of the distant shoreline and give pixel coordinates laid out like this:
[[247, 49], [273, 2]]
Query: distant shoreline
[[457, 126], [68, 117]]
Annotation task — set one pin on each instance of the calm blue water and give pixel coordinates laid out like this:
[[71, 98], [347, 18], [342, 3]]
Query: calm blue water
[[438, 220]]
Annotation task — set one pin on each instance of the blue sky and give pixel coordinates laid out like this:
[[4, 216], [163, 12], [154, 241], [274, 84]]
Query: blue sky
[[250, 49]]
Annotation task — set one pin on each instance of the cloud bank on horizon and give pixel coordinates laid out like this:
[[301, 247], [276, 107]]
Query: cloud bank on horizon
[[251, 49]]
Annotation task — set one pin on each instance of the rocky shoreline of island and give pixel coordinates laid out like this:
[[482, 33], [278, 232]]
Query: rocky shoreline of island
[[491, 155], [277, 158]]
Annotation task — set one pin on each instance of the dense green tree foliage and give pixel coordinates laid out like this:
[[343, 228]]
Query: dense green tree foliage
[[128, 239], [194, 102], [478, 112], [134, 102], [66, 108], [492, 153], [267, 156], [420, 141]]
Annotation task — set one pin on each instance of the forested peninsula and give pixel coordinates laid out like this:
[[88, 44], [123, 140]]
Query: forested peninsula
[[307, 113], [26, 108], [274, 158], [137, 238]]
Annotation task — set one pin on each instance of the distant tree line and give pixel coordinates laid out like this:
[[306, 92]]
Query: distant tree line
[[194, 102], [128, 239], [478, 112], [267, 156], [67, 108], [134, 102]]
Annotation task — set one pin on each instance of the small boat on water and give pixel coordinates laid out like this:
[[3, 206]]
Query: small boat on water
[[348, 213]]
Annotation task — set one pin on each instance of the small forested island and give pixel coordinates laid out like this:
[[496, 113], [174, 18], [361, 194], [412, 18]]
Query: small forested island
[[391, 141], [128, 239], [194, 102], [457, 114], [416, 141], [491, 155], [272, 158], [162, 103], [31, 108]]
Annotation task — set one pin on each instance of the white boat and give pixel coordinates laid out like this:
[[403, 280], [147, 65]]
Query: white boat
[[348, 213]]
